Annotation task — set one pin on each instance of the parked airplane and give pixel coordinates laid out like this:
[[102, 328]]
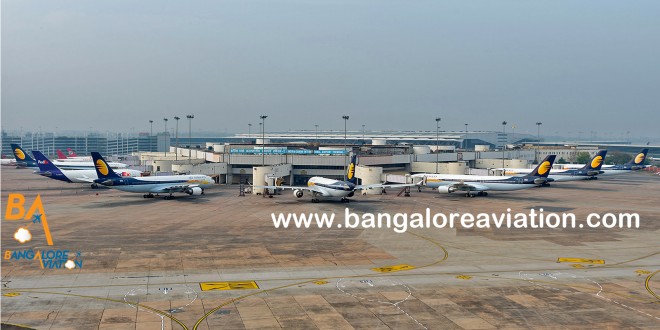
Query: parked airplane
[[477, 185], [22, 158], [50, 170], [633, 165], [587, 172], [189, 184], [7, 161], [72, 157], [324, 187]]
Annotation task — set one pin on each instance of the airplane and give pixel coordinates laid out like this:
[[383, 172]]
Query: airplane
[[50, 170], [71, 157], [324, 187], [23, 160], [189, 184], [7, 161], [587, 172], [477, 185], [632, 165]]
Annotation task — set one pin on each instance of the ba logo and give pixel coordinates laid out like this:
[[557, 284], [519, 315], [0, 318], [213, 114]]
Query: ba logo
[[102, 167], [351, 171], [19, 153], [48, 258], [596, 162], [544, 168], [16, 211], [640, 158]]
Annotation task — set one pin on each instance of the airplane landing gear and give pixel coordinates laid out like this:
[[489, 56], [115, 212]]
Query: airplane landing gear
[[149, 195], [95, 186], [315, 200], [345, 200]]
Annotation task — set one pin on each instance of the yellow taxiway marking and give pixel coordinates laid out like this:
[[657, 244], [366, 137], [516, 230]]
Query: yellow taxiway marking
[[582, 260], [231, 285], [394, 268], [11, 294], [321, 282], [463, 277], [643, 272], [577, 265], [648, 287]]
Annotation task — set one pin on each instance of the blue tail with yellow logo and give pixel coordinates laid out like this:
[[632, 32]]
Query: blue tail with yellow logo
[[543, 169], [22, 157], [103, 170], [350, 172], [639, 159], [596, 162]]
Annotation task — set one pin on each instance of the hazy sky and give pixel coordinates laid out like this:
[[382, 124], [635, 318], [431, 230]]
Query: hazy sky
[[112, 65]]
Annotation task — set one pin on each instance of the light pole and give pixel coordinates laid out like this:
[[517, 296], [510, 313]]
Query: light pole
[[363, 134], [151, 133], [437, 143], [538, 139], [346, 153], [466, 136], [263, 139], [176, 154], [505, 141], [190, 118], [249, 131], [316, 130], [165, 136]]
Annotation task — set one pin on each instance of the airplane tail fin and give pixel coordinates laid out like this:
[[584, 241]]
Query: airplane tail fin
[[71, 152], [350, 172], [596, 162], [639, 159], [103, 170], [543, 169], [20, 154], [60, 154], [44, 164]]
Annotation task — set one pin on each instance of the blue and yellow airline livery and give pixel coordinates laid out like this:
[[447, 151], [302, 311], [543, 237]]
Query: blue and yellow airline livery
[[325, 187], [150, 185], [22, 157]]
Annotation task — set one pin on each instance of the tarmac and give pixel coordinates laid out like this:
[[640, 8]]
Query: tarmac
[[216, 261]]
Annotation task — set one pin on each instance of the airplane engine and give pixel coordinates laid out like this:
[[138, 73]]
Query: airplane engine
[[351, 194], [194, 191], [540, 181], [298, 193], [446, 189]]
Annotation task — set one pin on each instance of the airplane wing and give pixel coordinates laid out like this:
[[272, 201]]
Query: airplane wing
[[384, 185], [462, 186], [87, 179], [307, 188], [173, 188]]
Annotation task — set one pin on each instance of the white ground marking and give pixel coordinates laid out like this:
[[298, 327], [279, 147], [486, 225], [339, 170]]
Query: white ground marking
[[370, 284]]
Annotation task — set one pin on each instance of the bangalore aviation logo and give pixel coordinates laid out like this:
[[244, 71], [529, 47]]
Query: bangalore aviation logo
[[640, 158], [596, 161], [102, 167], [544, 168], [36, 215], [351, 171], [19, 153]]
